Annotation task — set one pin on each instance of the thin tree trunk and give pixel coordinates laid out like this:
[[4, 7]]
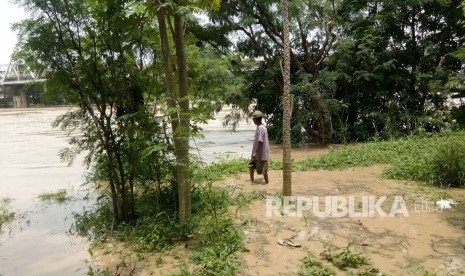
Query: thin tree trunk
[[168, 69], [182, 151], [181, 144], [287, 159]]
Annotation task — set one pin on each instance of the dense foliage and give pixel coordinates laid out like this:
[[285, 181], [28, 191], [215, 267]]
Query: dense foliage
[[360, 69], [105, 57], [393, 65]]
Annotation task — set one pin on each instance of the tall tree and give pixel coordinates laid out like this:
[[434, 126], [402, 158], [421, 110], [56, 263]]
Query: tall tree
[[92, 51], [313, 33], [178, 103], [287, 158], [182, 149], [392, 67]]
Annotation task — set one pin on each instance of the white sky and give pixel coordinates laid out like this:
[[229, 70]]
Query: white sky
[[9, 13]]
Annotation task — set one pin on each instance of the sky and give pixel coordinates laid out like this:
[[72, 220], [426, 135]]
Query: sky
[[9, 13]]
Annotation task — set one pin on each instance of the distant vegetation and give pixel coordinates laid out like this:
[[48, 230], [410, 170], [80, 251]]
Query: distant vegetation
[[6, 214], [59, 196]]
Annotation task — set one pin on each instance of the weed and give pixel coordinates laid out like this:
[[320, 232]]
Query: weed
[[370, 271], [6, 214], [243, 200], [343, 257], [59, 196], [219, 239], [159, 261], [183, 270], [311, 266]]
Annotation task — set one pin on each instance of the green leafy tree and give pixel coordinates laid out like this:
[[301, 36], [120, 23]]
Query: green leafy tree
[[261, 36], [393, 64], [96, 55], [178, 92]]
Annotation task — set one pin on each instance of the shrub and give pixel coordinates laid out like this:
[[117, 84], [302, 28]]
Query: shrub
[[447, 164]]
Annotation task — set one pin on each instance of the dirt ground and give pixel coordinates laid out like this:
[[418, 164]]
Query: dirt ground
[[423, 239]]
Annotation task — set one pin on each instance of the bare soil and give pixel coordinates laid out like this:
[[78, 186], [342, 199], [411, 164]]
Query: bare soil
[[425, 240]]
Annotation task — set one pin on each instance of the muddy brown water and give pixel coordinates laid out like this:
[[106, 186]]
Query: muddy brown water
[[38, 242]]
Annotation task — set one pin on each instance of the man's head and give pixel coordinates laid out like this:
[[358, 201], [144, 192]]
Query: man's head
[[257, 116]]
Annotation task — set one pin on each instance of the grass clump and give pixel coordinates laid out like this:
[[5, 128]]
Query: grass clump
[[218, 238], [59, 196], [217, 171], [343, 258], [6, 214], [311, 266], [443, 164]]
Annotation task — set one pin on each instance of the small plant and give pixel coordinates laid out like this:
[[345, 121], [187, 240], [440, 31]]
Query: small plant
[[6, 214], [311, 266], [447, 164], [218, 237], [159, 261], [370, 271], [343, 258], [243, 199], [59, 196]]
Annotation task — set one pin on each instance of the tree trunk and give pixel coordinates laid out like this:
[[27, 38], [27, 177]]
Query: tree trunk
[[287, 159], [179, 122], [182, 151]]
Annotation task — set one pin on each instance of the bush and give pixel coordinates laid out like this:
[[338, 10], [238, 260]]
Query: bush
[[441, 162], [447, 164], [438, 160]]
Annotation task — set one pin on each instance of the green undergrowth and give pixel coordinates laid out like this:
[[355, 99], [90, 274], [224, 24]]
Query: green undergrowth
[[59, 196], [6, 214], [219, 170], [211, 235], [342, 259], [438, 160]]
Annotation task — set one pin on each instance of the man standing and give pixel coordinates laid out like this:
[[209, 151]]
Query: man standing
[[260, 149]]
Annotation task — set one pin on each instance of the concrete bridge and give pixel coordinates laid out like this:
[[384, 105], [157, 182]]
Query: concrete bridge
[[15, 78]]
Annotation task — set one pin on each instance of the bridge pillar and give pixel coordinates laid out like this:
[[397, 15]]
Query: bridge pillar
[[20, 101]]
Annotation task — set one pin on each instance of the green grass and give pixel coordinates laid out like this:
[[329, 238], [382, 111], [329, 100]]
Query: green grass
[[211, 234], [344, 257], [6, 214], [438, 160], [367, 154], [59, 196], [312, 266]]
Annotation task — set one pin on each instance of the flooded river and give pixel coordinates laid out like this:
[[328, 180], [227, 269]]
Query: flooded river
[[38, 242]]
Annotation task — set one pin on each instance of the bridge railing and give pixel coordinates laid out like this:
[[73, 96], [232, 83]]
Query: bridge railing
[[18, 72]]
